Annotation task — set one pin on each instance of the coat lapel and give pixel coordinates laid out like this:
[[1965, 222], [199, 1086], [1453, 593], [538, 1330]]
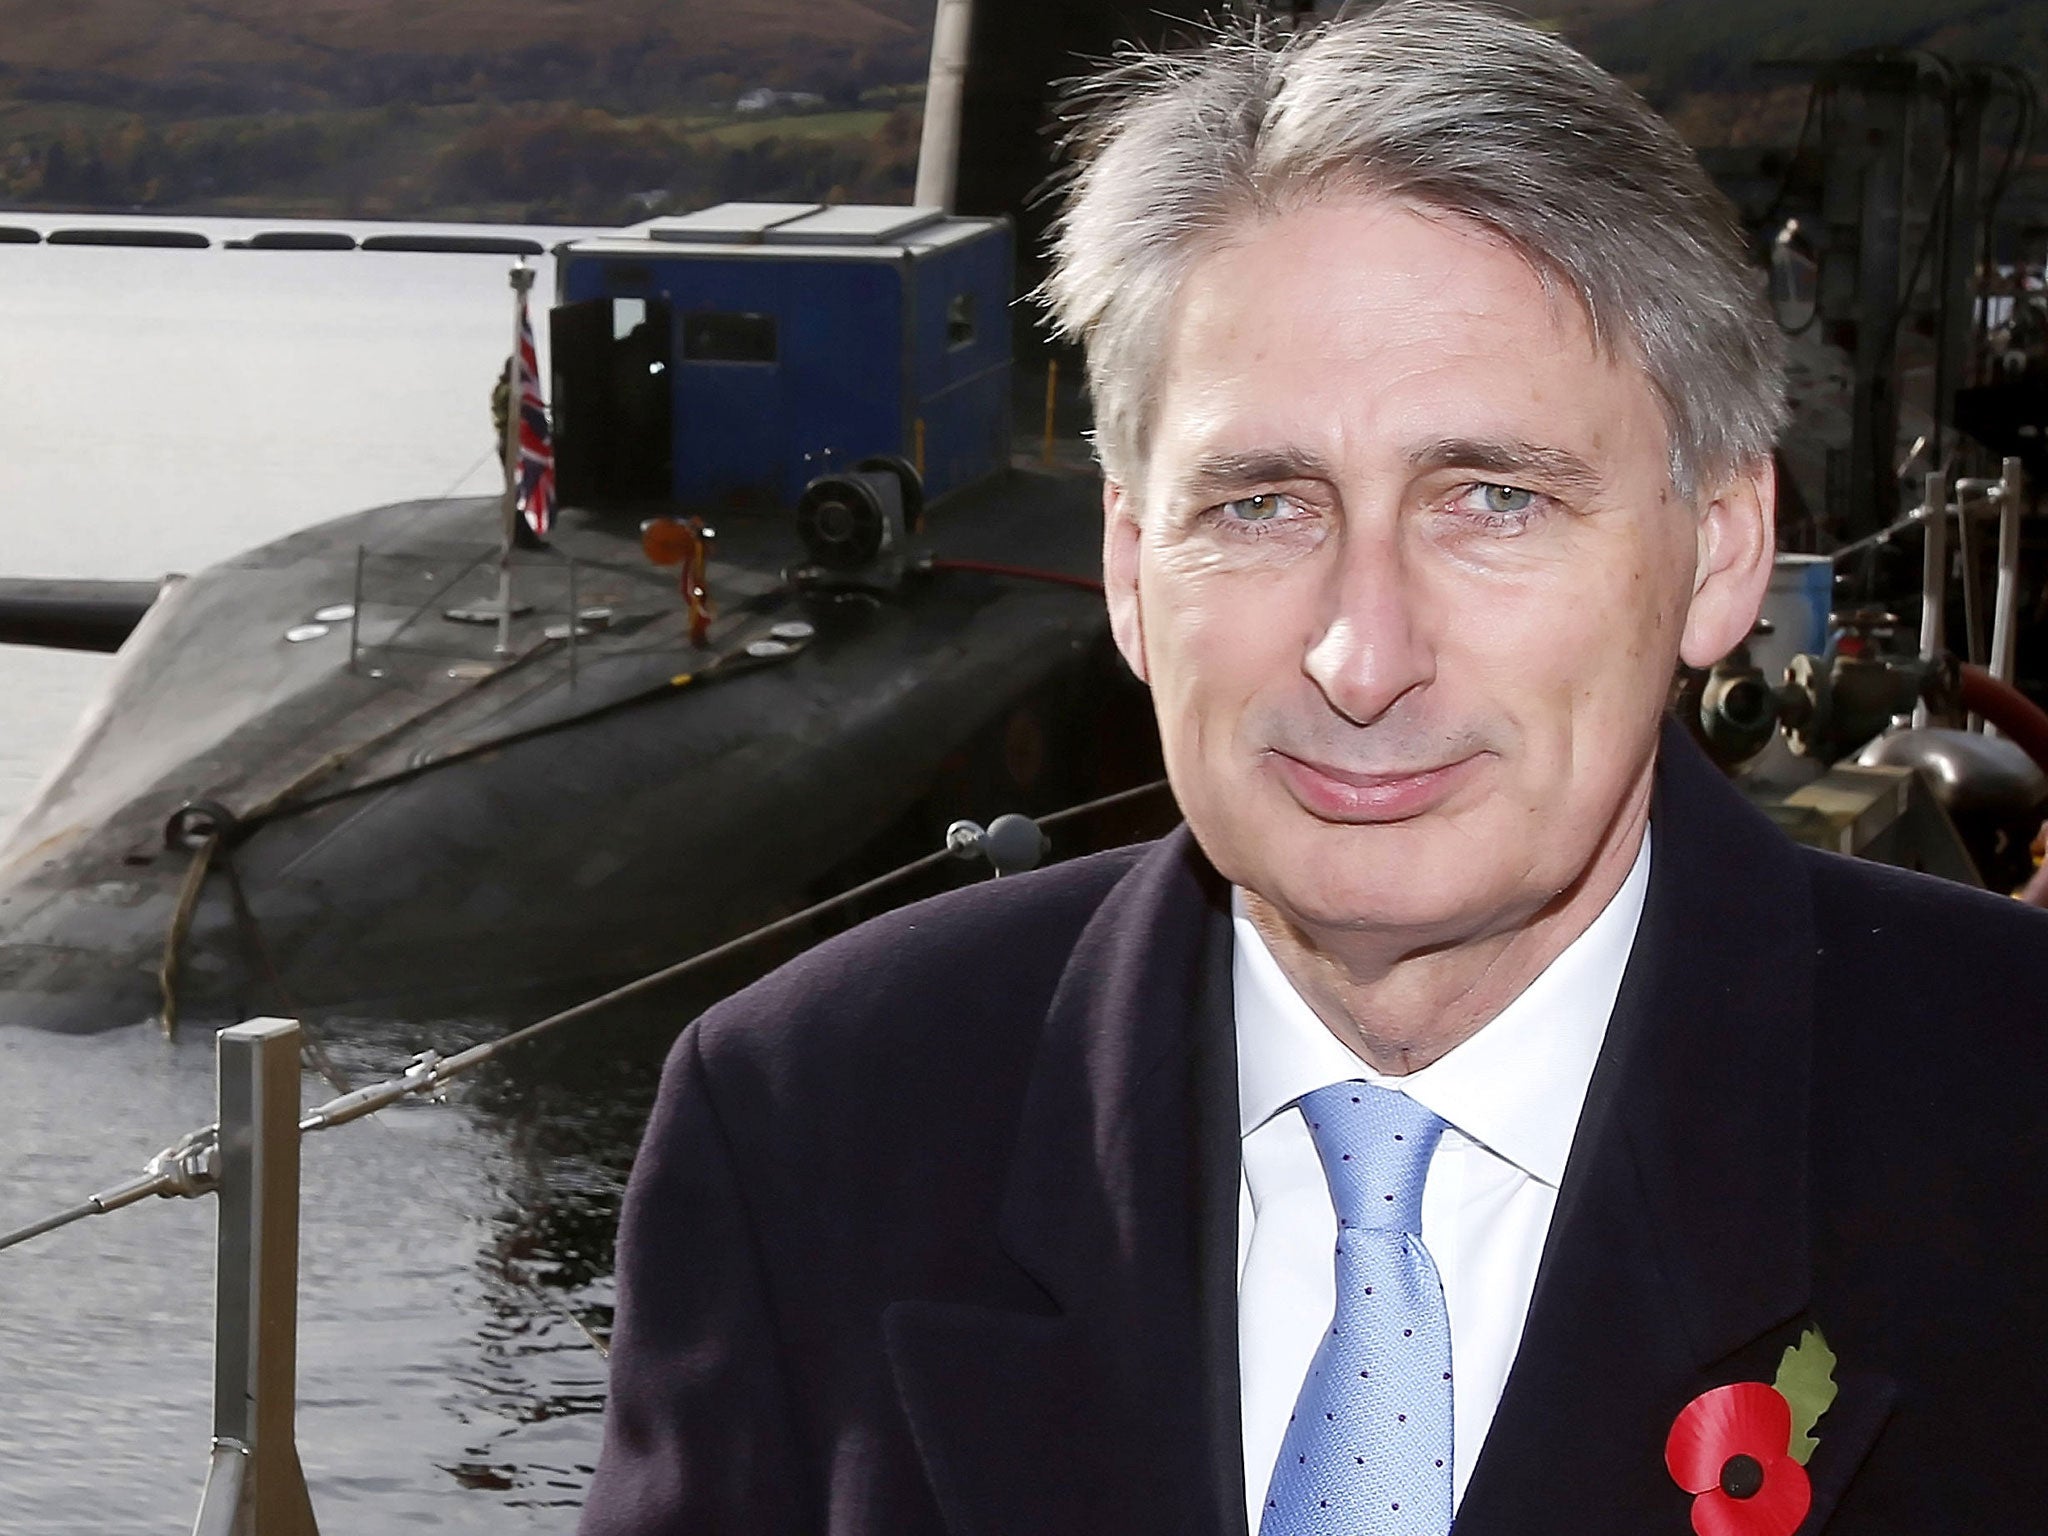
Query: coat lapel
[[1679, 1258], [1115, 1407]]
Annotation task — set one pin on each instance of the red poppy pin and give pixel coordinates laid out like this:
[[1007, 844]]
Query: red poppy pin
[[1741, 1450]]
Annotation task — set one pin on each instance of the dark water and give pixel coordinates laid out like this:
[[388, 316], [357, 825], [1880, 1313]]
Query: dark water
[[450, 1253], [158, 410]]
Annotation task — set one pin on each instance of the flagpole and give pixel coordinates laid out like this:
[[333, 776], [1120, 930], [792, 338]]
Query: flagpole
[[522, 281]]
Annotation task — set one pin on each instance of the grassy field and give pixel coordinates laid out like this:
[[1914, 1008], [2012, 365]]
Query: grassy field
[[863, 124]]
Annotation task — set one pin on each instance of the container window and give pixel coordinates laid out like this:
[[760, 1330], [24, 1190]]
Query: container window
[[713, 336], [960, 320]]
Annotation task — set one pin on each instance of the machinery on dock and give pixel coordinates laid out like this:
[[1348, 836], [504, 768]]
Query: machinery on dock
[[1911, 608]]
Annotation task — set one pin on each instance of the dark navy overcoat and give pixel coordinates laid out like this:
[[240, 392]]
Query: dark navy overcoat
[[933, 1230]]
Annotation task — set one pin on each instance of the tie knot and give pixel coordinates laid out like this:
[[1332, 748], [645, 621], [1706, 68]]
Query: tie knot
[[1375, 1145]]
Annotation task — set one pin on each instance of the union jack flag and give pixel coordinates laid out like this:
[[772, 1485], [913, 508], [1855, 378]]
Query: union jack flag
[[536, 443]]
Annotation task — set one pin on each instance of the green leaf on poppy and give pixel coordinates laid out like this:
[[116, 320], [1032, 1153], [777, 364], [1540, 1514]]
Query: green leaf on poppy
[[1806, 1380]]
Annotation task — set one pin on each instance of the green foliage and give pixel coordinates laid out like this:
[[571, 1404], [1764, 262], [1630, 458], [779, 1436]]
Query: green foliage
[[553, 162], [1806, 1380], [601, 127]]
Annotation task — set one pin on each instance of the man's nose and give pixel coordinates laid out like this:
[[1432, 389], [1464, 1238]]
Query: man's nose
[[1371, 646]]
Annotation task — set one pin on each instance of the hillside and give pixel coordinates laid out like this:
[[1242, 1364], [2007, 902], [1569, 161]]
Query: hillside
[[594, 110], [586, 110], [160, 41]]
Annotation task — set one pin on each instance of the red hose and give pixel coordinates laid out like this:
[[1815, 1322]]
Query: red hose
[[1022, 572], [2017, 717], [2024, 723]]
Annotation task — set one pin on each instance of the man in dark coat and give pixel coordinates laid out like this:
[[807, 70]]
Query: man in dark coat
[[1476, 1111]]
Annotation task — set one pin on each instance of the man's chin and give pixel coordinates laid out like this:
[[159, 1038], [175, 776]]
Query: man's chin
[[1409, 920], [1351, 877]]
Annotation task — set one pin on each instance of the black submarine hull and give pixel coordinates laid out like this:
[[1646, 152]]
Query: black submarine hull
[[389, 822]]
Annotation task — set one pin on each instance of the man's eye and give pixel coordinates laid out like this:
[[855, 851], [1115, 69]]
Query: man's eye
[[1507, 505], [1263, 508]]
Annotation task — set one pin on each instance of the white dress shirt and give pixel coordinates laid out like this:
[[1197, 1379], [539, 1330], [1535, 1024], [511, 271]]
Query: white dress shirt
[[1511, 1096]]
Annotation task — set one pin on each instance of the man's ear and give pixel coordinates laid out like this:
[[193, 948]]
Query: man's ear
[[1737, 546], [1120, 534]]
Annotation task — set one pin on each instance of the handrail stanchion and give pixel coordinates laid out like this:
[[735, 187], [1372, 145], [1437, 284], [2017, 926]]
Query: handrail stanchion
[[2005, 606], [256, 1484], [221, 1509], [1933, 576]]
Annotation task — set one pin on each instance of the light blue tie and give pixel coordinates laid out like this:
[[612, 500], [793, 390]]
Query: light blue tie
[[1368, 1451]]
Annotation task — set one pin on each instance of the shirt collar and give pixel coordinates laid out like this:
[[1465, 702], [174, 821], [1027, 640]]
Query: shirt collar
[[1516, 1086]]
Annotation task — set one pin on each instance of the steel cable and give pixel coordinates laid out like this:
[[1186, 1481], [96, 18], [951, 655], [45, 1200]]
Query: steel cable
[[187, 1169]]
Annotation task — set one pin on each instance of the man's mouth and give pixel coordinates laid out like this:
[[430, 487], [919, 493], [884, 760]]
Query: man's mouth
[[1333, 793]]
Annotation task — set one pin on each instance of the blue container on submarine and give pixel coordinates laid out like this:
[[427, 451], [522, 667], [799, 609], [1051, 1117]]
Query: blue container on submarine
[[727, 357]]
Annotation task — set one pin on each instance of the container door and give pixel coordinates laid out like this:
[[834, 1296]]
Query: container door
[[612, 391], [729, 392]]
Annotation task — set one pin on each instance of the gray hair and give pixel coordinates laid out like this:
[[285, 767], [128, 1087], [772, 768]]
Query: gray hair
[[1446, 105]]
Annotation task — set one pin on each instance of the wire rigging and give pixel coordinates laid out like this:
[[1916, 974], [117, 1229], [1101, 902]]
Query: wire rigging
[[190, 1167]]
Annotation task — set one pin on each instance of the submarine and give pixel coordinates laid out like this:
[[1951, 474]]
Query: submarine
[[810, 595], [317, 781]]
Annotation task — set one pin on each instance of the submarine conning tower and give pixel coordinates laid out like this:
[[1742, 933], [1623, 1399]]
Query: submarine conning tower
[[723, 358]]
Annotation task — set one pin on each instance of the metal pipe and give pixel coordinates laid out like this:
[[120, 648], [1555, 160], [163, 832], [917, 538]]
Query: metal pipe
[[1870, 154], [1933, 576], [1955, 289], [256, 1286], [945, 89], [2005, 605], [1970, 554]]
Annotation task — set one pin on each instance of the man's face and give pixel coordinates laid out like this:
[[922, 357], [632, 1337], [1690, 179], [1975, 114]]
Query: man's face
[[1407, 576]]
